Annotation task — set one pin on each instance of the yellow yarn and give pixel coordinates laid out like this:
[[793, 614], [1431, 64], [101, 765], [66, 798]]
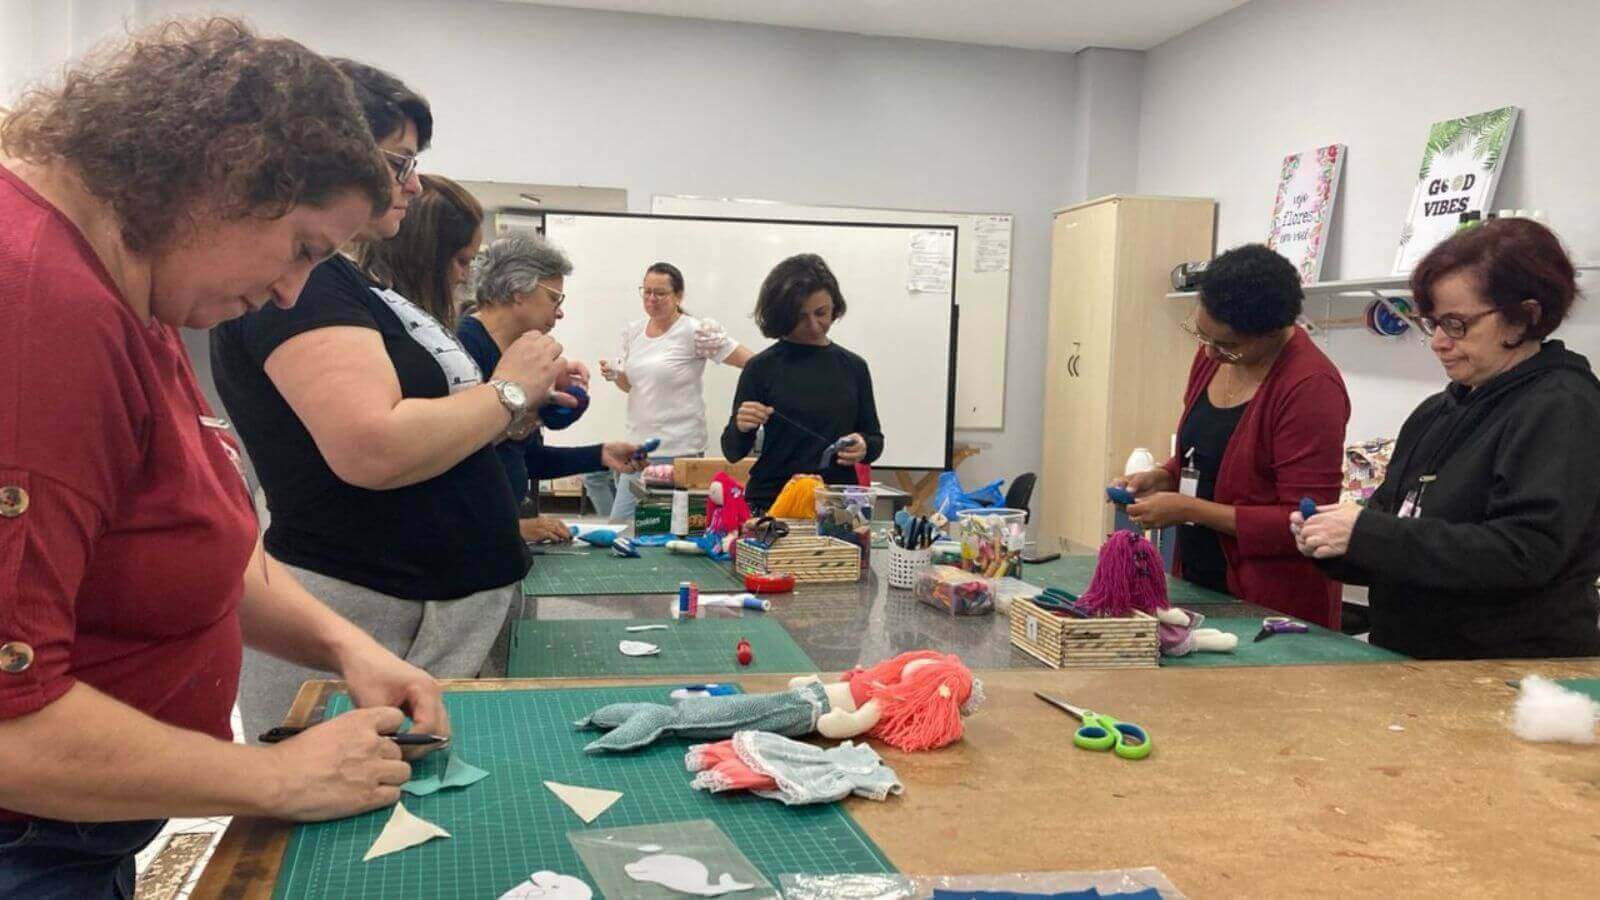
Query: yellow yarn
[[798, 499]]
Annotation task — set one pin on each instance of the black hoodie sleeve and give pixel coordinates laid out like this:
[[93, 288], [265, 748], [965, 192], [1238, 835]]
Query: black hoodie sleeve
[[736, 444], [867, 415], [1544, 491]]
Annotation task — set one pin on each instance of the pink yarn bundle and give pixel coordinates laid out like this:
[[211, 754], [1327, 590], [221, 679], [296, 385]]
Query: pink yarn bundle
[[1128, 576]]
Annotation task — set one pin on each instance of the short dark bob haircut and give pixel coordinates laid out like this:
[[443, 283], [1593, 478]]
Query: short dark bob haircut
[[386, 103], [1252, 290], [1511, 260], [786, 289]]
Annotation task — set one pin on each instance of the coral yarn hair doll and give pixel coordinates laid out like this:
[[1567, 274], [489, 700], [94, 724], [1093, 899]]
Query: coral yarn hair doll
[[914, 701]]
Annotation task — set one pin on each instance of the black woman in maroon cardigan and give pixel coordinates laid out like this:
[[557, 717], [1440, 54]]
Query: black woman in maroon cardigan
[[1263, 426]]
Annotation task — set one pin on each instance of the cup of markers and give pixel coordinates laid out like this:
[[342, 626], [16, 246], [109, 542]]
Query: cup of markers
[[910, 550]]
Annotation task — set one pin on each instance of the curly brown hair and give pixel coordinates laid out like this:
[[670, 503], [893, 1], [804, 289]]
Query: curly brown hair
[[201, 116], [416, 261]]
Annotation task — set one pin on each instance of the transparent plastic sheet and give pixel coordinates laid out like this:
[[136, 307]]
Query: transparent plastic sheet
[[1109, 882], [607, 852]]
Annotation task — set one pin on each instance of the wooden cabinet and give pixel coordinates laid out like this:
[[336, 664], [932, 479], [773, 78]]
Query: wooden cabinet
[[1117, 358]]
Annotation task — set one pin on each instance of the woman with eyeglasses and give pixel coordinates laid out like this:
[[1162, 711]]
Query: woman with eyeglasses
[[662, 370], [520, 289], [131, 572], [1484, 539], [1263, 426], [373, 432]]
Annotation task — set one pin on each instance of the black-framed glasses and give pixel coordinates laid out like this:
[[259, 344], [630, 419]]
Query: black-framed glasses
[[1232, 356], [403, 164], [1455, 327]]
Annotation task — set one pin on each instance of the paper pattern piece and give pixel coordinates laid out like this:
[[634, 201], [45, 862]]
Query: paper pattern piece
[[638, 648], [645, 628], [993, 253], [403, 830], [682, 874], [932, 262], [457, 773], [547, 885], [1308, 184], [588, 803]]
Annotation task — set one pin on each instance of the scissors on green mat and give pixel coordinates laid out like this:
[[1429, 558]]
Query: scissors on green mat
[[1099, 732]]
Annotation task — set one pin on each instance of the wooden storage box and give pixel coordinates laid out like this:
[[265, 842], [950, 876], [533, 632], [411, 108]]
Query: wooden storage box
[[695, 473], [810, 559], [1062, 643]]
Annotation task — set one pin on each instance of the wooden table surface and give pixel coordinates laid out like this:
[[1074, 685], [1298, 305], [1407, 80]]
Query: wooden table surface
[[1391, 779]]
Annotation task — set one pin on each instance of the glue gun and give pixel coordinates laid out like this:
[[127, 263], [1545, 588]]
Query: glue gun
[[833, 449], [1120, 496], [647, 448]]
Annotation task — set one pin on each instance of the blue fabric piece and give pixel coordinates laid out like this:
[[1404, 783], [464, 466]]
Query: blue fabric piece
[[429, 777], [556, 417], [652, 540], [630, 726]]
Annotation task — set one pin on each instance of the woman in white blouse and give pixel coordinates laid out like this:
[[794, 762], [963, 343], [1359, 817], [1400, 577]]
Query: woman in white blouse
[[661, 369]]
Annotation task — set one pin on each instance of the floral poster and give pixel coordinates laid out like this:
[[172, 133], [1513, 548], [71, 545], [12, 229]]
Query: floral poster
[[1303, 210], [1460, 167]]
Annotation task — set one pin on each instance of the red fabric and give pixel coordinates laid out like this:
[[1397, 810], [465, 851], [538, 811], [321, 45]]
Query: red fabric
[[1288, 444], [125, 571]]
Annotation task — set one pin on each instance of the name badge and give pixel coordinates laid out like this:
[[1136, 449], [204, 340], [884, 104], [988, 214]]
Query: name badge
[[1189, 481]]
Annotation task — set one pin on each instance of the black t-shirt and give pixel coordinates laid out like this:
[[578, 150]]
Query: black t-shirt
[[444, 538], [827, 391], [1206, 431]]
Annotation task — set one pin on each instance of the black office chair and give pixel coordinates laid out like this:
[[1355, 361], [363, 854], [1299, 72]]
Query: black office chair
[[1021, 493]]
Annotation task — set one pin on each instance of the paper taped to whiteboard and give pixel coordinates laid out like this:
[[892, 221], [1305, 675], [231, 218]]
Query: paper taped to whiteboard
[[933, 262], [993, 252]]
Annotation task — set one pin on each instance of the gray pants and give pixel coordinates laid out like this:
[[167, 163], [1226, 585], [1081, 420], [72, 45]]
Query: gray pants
[[448, 639]]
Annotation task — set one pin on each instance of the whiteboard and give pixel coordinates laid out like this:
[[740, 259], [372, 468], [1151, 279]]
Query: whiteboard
[[982, 291], [906, 337]]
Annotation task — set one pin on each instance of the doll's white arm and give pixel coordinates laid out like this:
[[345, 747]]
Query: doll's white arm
[[839, 724], [1212, 640]]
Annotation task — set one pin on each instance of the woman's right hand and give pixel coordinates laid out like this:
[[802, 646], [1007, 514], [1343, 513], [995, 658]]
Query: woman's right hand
[[608, 371], [751, 415], [534, 362], [1147, 482], [340, 768]]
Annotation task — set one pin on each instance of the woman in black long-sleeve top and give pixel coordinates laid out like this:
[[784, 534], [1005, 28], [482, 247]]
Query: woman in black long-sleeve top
[[1484, 539], [805, 390]]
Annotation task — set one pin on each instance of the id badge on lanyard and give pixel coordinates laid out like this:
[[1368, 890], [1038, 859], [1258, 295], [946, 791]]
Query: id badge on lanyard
[[1411, 507], [1189, 477]]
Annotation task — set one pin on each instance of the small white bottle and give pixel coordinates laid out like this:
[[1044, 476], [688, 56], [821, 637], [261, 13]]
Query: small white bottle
[[1140, 460]]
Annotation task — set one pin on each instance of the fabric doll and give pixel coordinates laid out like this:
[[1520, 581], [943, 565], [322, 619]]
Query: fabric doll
[[778, 768], [914, 702], [1181, 634], [726, 511]]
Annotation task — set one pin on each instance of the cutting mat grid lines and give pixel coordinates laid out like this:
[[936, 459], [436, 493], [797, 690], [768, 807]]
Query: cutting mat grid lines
[[596, 571], [509, 825], [576, 648]]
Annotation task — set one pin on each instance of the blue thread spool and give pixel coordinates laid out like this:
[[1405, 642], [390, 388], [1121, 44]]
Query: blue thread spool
[[1308, 507], [558, 417], [683, 598]]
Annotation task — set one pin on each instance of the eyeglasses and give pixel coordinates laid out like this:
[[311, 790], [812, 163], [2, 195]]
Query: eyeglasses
[[1232, 356], [403, 164], [559, 297], [1454, 327], [655, 293]]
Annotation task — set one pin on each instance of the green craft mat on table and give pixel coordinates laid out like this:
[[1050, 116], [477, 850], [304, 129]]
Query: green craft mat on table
[[1073, 574], [567, 648], [597, 571], [1590, 686], [509, 824], [1317, 647]]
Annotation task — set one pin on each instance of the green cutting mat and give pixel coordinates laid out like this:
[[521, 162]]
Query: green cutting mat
[[1317, 647], [510, 825], [559, 648], [1073, 573], [597, 571], [1590, 686]]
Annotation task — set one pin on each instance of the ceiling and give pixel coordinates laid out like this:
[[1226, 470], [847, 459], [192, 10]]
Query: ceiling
[[1061, 25]]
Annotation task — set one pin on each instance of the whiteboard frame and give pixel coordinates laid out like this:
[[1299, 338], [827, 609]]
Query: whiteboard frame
[[993, 417], [955, 306]]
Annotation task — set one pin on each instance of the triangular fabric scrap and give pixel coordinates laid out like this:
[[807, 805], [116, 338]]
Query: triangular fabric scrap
[[403, 830], [588, 803]]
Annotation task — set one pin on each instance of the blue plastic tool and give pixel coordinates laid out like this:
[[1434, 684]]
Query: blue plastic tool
[[647, 448], [558, 417], [1120, 496], [833, 450], [600, 537], [624, 548], [1308, 507]]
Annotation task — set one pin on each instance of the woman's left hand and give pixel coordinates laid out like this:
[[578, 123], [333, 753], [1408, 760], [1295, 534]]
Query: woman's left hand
[[377, 677], [619, 457], [853, 452], [1161, 509], [1325, 535]]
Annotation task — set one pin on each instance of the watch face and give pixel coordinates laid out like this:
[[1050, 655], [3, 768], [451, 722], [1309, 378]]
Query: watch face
[[515, 394]]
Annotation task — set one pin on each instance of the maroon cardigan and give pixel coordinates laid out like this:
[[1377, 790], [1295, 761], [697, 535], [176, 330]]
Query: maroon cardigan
[[1288, 444]]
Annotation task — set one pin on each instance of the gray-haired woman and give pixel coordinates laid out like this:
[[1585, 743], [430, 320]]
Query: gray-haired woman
[[520, 288]]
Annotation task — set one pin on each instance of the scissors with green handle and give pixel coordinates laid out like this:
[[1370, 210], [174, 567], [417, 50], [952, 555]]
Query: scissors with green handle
[[1099, 732]]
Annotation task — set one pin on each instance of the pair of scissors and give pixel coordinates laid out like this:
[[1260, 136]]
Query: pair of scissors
[[1099, 732], [1059, 602], [1272, 625]]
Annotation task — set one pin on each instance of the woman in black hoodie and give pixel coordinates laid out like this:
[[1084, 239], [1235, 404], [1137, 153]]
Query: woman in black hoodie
[[1484, 539]]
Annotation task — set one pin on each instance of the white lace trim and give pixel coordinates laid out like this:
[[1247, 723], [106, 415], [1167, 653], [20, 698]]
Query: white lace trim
[[974, 701], [711, 781]]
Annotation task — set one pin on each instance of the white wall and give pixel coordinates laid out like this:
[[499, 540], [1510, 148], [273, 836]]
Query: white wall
[[661, 105], [1223, 104]]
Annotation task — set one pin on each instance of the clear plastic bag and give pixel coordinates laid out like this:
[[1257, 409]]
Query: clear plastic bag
[[614, 855], [955, 591], [1109, 883]]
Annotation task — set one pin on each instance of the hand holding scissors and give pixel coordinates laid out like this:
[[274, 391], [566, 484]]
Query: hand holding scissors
[[1099, 732]]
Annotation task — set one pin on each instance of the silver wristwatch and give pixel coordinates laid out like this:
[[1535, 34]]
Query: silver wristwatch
[[513, 398]]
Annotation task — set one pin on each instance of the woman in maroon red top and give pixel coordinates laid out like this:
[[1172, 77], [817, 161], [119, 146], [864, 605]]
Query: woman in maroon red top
[[200, 172], [1263, 425]]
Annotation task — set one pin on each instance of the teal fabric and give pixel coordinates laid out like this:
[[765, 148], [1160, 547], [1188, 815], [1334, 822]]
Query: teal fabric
[[633, 725]]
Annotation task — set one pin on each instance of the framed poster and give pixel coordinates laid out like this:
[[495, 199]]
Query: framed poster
[[1308, 184], [1460, 168]]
